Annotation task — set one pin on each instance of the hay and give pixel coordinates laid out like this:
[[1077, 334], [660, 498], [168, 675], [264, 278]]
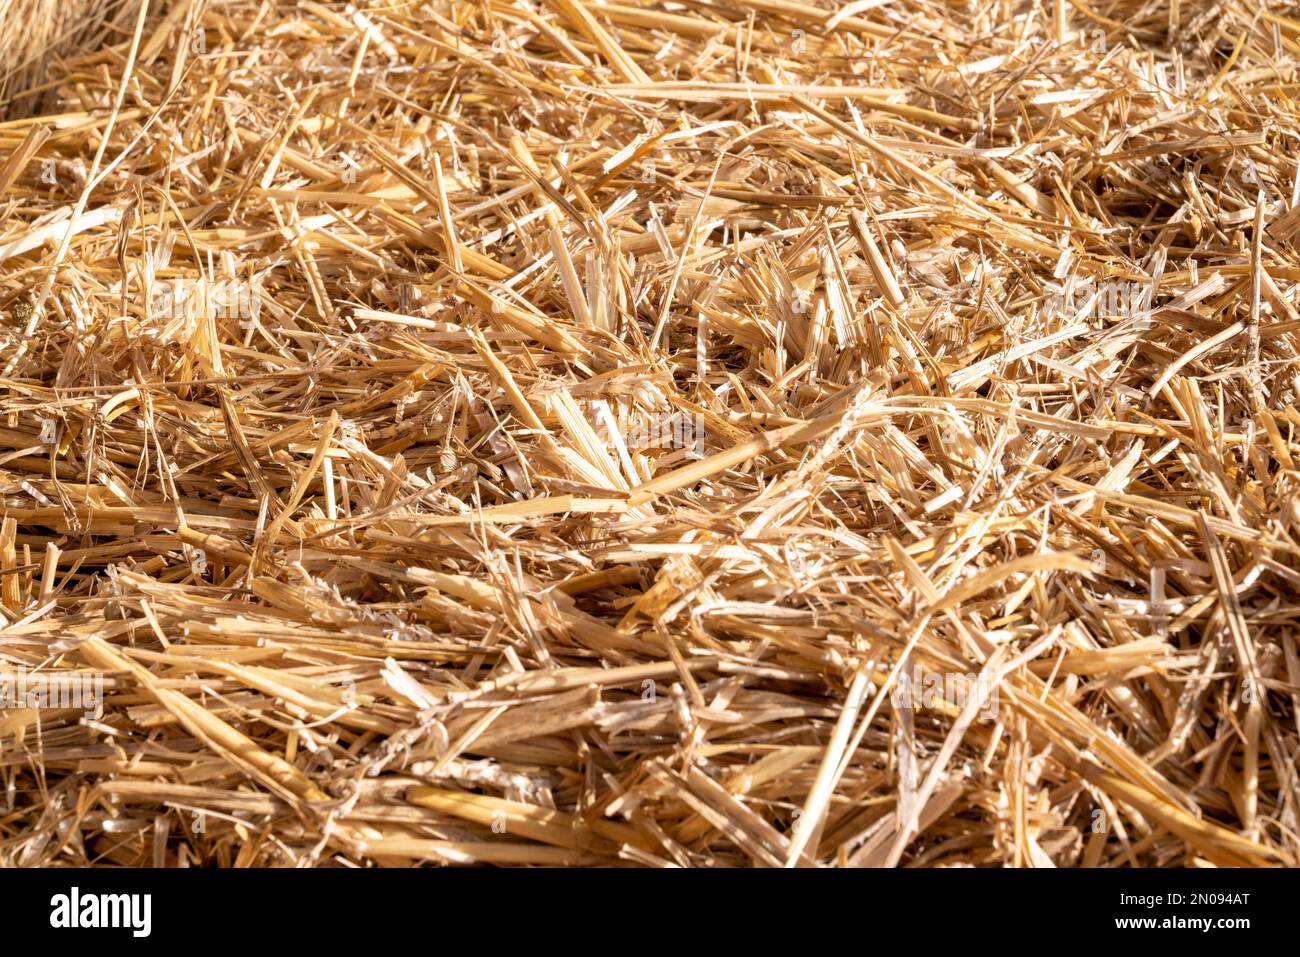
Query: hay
[[340, 351], [38, 34]]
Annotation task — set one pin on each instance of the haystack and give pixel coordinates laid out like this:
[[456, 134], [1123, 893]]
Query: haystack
[[728, 434]]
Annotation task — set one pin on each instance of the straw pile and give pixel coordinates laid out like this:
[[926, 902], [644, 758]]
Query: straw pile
[[375, 575], [37, 34]]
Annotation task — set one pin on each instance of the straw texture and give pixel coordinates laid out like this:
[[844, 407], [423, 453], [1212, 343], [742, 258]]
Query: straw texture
[[38, 34], [965, 340]]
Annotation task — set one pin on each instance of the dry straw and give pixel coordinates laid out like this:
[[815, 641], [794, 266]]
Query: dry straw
[[325, 328], [38, 34]]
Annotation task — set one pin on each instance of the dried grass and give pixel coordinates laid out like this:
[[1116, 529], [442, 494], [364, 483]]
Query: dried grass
[[369, 587], [37, 34]]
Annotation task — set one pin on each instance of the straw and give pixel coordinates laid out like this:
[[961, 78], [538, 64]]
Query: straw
[[632, 434]]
